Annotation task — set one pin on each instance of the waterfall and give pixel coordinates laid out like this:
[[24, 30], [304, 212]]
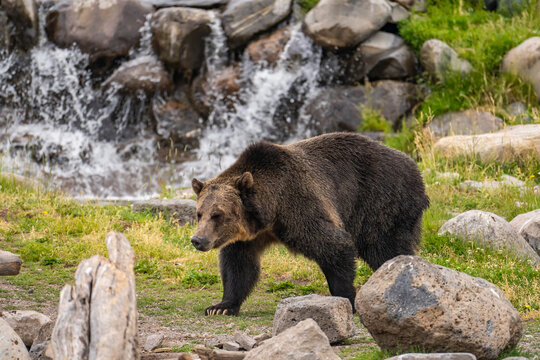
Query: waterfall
[[57, 125]]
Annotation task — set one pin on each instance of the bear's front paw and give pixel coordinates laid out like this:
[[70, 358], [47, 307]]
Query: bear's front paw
[[222, 309]]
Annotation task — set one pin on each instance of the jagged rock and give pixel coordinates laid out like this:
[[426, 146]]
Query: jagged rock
[[245, 342], [524, 60], [490, 230], [100, 28], [184, 210], [210, 90], [178, 129], [468, 122], [384, 56], [410, 302], [439, 60], [268, 49], [345, 24], [303, 341], [153, 342], [22, 23], [98, 317], [26, 323], [178, 36], [507, 145], [144, 73], [11, 345], [332, 314], [434, 356], [338, 109], [218, 341], [231, 346], [261, 338], [528, 226], [243, 19]]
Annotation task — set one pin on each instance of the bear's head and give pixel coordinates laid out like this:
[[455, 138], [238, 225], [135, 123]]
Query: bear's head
[[221, 214]]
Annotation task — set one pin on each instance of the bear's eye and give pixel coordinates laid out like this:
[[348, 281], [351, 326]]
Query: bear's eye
[[216, 216], [199, 215]]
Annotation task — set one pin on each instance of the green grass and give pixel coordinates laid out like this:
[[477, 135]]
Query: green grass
[[482, 38]]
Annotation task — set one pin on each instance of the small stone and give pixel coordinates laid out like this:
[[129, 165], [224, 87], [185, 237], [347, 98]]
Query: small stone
[[153, 342], [528, 226], [262, 337], [303, 341], [524, 60], [332, 314], [245, 342], [217, 341], [447, 176], [231, 346]]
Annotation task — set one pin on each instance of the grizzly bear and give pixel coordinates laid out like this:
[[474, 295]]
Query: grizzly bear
[[331, 198]]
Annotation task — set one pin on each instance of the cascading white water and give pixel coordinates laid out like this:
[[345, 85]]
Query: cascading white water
[[251, 120], [53, 120]]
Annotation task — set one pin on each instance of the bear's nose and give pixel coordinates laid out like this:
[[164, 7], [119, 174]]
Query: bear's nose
[[199, 242]]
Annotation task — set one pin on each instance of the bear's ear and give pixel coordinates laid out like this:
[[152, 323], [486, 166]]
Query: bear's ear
[[244, 182], [197, 186]]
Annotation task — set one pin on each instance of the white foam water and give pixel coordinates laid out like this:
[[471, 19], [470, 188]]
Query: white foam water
[[52, 122]]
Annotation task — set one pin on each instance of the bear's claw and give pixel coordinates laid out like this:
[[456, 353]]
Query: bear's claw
[[220, 309]]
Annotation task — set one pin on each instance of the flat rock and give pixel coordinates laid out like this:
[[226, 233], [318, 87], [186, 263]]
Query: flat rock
[[242, 19], [528, 226], [332, 314], [506, 145], [144, 73], [439, 60], [468, 122], [178, 36], [303, 341], [434, 356], [489, 230], [344, 23], [26, 323], [11, 345], [184, 210], [524, 60], [410, 302]]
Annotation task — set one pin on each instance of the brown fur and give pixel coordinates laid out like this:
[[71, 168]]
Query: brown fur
[[331, 198]]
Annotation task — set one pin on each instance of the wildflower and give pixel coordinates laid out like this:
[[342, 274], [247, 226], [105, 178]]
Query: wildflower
[[532, 176], [45, 212]]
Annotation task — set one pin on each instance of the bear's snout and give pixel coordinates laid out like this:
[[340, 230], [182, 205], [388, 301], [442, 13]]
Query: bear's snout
[[200, 243]]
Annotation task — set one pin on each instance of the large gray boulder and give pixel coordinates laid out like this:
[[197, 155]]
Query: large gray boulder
[[332, 314], [410, 302], [507, 145], [144, 73], [524, 60], [439, 60], [489, 230], [303, 341], [100, 28], [23, 21], [338, 108], [468, 122], [26, 323], [184, 210], [345, 23], [178, 36], [242, 19], [385, 56], [528, 226], [11, 345]]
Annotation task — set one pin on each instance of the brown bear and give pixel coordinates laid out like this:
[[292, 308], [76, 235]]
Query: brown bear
[[331, 198]]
